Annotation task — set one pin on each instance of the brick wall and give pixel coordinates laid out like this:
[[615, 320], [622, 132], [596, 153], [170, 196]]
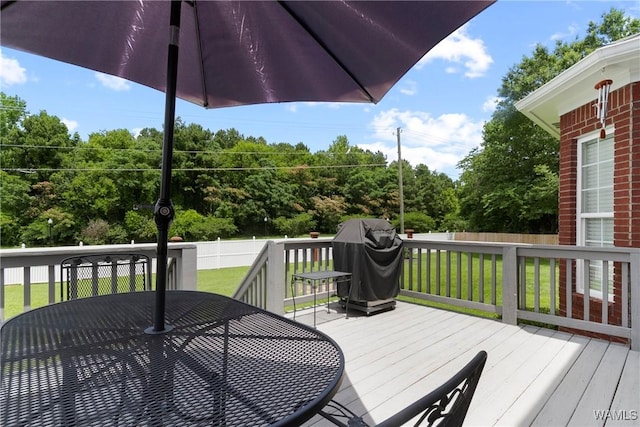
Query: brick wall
[[624, 113]]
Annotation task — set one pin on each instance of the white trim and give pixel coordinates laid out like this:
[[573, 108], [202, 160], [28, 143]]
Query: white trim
[[580, 217], [574, 87]]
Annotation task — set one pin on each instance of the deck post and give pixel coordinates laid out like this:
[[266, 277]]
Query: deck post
[[510, 285], [275, 278], [635, 300], [188, 268]]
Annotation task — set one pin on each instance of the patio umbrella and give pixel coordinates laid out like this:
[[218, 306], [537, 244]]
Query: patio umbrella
[[235, 53]]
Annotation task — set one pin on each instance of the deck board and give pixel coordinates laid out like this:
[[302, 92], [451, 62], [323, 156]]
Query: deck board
[[629, 394], [602, 387], [533, 375]]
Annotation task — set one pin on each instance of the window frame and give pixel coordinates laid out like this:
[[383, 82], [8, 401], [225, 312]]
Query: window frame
[[582, 217]]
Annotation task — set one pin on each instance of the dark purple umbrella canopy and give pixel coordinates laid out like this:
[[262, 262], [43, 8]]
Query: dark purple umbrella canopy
[[236, 53]]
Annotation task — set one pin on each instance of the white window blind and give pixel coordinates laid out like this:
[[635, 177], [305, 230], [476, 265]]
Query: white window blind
[[595, 215]]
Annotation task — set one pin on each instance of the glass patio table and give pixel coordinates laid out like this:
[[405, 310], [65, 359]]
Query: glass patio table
[[90, 362]]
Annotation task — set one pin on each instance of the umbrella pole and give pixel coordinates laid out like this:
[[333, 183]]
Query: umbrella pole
[[164, 212]]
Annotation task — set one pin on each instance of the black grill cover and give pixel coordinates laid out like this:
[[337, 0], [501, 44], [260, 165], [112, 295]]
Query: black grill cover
[[371, 251]]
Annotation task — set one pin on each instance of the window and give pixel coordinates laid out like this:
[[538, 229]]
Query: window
[[595, 209]]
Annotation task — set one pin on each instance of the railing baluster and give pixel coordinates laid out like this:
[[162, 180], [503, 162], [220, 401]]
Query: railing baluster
[[428, 273], [634, 297], [287, 273], [2, 294], [587, 290], [494, 279], [536, 284], [605, 292], [522, 292], [481, 278], [410, 268], [625, 294], [469, 276], [568, 287], [459, 275], [27, 288], [438, 268], [448, 274], [52, 284], [552, 286]]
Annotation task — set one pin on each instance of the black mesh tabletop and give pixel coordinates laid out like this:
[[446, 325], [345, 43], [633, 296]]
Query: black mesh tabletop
[[88, 362]]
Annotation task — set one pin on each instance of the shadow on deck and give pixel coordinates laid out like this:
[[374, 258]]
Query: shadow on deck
[[533, 376]]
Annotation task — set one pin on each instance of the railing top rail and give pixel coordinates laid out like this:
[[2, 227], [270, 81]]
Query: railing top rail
[[44, 256], [127, 247], [578, 252], [526, 249], [307, 244], [477, 247]]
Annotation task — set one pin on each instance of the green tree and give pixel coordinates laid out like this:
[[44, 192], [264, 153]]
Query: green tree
[[328, 212], [38, 145], [140, 227], [300, 224], [500, 181], [432, 194], [419, 222], [12, 111], [192, 226]]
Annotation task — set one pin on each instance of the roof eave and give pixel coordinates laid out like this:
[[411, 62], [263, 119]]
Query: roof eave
[[574, 86]]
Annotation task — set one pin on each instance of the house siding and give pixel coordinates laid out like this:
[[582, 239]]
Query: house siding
[[624, 114]]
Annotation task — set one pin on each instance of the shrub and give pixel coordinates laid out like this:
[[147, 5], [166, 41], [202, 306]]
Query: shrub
[[418, 221], [300, 224]]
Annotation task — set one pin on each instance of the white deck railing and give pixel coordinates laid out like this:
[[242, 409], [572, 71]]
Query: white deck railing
[[514, 282], [43, 265]]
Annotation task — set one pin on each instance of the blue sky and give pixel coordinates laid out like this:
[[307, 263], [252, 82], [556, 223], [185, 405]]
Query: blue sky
[[440, 104]]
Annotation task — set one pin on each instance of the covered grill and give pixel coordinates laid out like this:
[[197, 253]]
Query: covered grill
[[371, 251]]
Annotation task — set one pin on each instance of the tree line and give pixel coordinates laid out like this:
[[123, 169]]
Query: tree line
[[227, 184]]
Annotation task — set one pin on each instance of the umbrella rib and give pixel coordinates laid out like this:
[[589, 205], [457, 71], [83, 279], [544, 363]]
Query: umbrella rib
[[6, 4], [327, 50], [205, 98]]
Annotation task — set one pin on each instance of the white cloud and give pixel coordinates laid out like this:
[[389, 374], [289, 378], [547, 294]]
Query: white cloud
[[11, 73], [438, 142], [462, 50], [409, 88], [490, 104], [294, 106], [112, 82], [72, 125], [571, 32]]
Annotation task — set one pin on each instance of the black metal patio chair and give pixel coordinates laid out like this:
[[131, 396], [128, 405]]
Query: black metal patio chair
[[103, 274], [447, 405]]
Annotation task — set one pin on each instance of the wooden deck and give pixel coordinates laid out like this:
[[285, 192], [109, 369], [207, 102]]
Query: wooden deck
[[533, 376]]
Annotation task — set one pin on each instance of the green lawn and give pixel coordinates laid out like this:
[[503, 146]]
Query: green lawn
[[222, 281], [460, 286]]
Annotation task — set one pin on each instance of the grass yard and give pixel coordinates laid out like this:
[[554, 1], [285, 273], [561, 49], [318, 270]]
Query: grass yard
[[469, 277], [222, 281]]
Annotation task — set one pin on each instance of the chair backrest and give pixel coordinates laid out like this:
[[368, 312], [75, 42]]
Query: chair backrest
[[103, 274], [448, 404]]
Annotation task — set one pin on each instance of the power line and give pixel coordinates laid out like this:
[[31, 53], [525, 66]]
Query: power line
[[159, 150], [215, 169]]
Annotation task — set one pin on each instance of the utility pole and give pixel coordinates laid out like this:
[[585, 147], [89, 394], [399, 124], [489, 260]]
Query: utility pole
[[398, 130]]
